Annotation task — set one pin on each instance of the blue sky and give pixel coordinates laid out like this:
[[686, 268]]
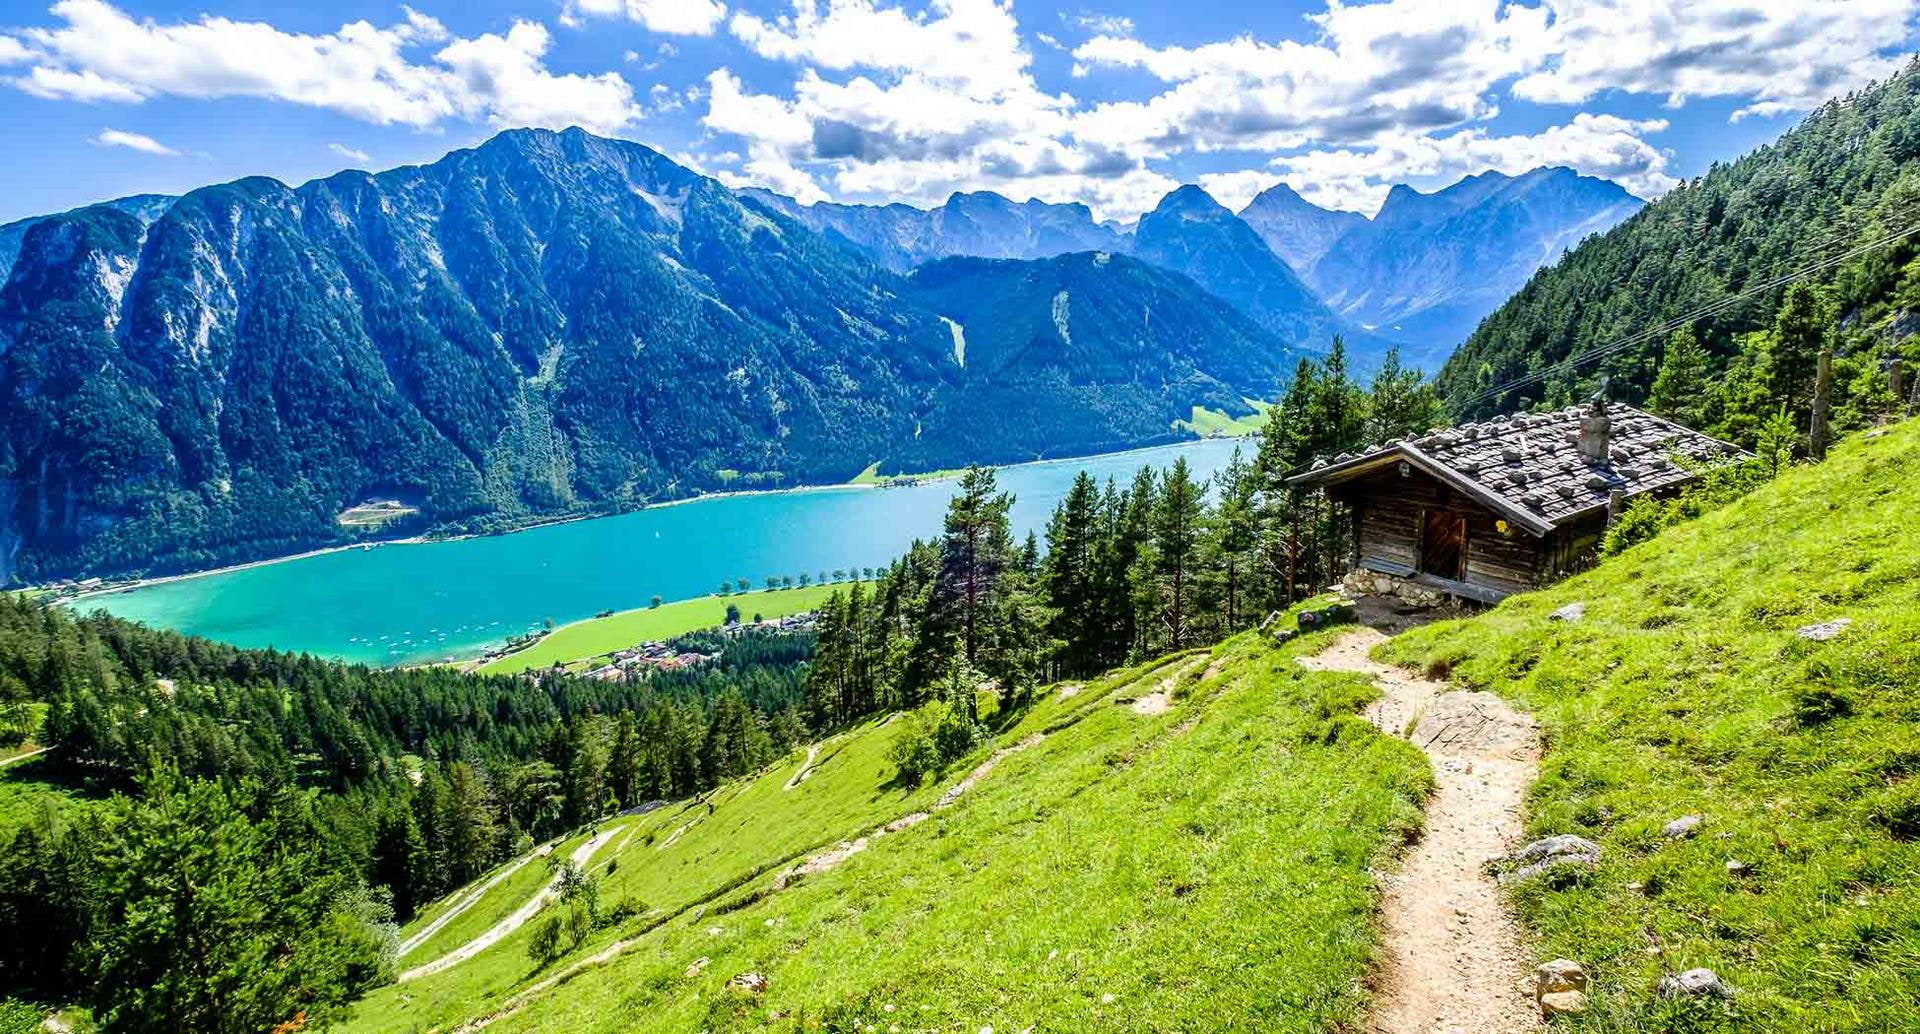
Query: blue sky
[[1111, 104]]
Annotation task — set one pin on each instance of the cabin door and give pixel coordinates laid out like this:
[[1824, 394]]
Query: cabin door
[[1443, 544]]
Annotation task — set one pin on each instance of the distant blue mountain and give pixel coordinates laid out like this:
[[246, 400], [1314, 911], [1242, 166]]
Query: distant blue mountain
[[981, 224], [1427, 268], [548, 323], [1297, 230], [144, 207]]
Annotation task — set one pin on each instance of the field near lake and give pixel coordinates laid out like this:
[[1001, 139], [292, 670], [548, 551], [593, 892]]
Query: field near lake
[[597, 637]]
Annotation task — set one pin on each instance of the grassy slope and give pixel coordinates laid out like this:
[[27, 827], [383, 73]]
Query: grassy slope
[[1685, 690], [872, 476], [596, 637], [1209, 421], [1206, 868]]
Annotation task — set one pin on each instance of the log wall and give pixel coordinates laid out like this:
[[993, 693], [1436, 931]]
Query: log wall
[[1389, 511]]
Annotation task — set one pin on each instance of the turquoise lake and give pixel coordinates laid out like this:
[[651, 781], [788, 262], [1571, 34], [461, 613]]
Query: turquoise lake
[[409, 602]]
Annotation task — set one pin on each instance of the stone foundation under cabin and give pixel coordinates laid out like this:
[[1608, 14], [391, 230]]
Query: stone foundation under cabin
[[1361, 582]]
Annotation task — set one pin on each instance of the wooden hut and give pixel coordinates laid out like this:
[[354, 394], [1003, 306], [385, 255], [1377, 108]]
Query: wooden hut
[[1484, 510]]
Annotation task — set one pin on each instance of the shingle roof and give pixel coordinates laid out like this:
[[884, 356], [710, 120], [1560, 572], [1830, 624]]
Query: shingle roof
[[1529, 467]]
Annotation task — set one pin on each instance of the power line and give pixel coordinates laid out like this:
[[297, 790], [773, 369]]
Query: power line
[[1712, 308]]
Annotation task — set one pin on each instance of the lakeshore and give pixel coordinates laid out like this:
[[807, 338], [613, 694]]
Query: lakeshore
[[437, 600]]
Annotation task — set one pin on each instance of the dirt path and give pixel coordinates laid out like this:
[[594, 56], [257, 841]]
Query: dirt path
[[806, 767], [1451, 954], [465, 901], [17, 758], [519, 918]]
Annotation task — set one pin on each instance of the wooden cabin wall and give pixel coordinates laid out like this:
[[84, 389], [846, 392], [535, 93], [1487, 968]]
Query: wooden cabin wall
[[1511, 562], [1387, 530], [1388, 515], [1574, 546]]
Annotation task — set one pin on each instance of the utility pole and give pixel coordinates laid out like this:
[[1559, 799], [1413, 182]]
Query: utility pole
[[1822, 382]]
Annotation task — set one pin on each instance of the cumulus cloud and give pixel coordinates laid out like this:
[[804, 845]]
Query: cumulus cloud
[[1099, 23], [889, 104], [971, 45], [1782, 56], [101, 54], [1358, 179], [352, 154], [1398, 66], [134, 142], [676, 17]]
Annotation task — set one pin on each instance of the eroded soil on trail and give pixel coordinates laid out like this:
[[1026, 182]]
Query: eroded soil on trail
[[1452, 957]]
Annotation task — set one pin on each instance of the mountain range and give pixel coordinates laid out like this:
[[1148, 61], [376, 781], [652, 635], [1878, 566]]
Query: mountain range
[[980, 224], [558, 323], [1418, 275], [1427, 267], [549, 323], [1830, 202]]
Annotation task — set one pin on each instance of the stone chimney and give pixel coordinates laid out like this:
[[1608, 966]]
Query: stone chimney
[[1595, 428]]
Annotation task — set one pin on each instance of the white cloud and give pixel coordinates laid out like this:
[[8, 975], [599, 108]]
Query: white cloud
[[504, 74], [1781, 56], [352, 154], [1101, 24], [1398, 66], [12, 51], [971, 45], [135, 142], [678, 17], [102, 54], [1358, 178], [925, 105]]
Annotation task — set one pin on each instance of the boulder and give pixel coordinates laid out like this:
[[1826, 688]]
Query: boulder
[[1682, 827], [1694, 983], [1339, 612], [1825, 630], [1557, 976], [1570, 613], [694, 967], [751, 983], [1561, 1003], [1550, 853]]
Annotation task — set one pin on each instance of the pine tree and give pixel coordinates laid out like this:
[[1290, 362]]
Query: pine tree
[[623, 768], [1800, 331], [976, 548], [1399, 403], [1177, 527], [1233, 530], [1680, 388], [1070, 578]]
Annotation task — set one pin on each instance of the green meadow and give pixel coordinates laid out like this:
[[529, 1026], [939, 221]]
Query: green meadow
[[1215, 421], [598, 637], [1686, 690], [1116, 867]]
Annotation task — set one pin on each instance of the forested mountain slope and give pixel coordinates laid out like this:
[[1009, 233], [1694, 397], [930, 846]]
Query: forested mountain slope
[[1191, 233], [1846, 176], [549, 323], [546, 322], [1089, 350], [1754, 668], [144, 207]]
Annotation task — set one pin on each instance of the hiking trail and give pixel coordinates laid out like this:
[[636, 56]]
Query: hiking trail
[[1452, 957], [520, 916]]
